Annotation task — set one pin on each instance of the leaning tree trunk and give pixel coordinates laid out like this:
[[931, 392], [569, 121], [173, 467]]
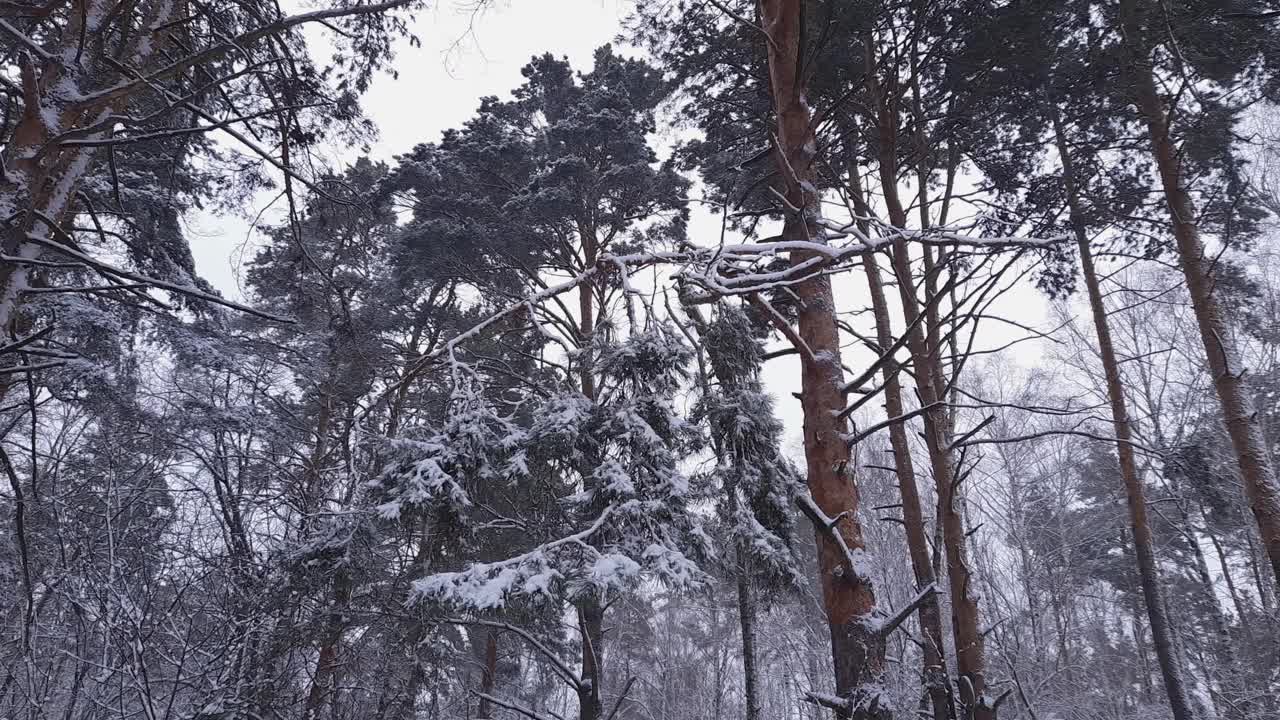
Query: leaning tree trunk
[[1148, 574], [857, 646], [1238, 412]]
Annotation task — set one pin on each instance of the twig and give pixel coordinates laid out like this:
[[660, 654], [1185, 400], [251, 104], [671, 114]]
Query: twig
[[511, 706], [743, 21]]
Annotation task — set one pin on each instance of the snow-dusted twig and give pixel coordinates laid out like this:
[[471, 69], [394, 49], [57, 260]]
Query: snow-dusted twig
[[24, 341], [977, 429], [512, 706], [862, 702], [26, 40], [176, 67], [743, 21], [617, 704], [841, 705], [782, 325], [15, 369], [855, 438], [720, 271], [492, 581]]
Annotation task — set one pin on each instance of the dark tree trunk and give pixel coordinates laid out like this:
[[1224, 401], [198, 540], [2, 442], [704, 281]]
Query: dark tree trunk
[[488, 670], [591, 627], [327, 663], [747, 626]]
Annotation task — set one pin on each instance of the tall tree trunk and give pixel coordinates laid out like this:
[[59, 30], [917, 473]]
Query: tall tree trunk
[[965, 619], [1148, 574], [849, 601], [936, 682], [322, 680], [1238, 411], [590, 609]]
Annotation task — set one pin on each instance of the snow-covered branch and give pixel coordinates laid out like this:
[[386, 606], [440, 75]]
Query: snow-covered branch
[[855, 560]]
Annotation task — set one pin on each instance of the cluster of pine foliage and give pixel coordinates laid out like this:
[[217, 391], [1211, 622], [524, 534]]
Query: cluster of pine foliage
[[493, 434]]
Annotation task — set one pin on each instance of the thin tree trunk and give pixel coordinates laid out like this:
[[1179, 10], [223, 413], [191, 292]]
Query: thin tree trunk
[[936, 681], [1060, 626], [1236, 601], [969, 641], [591, 628], [1157, 613], [848, 597], [322, 683], [408, 709], [1238, 411], [1226, 668], [747, 626], [488, 672], [747, 608]]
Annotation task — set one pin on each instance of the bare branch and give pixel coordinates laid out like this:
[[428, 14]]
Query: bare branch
[[891, 623]]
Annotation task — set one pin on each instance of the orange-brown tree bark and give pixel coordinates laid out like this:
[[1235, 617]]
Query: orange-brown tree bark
[[40, 177], [936, 682], [848, 597], [926, 362], [590, 609], [1162, 636], [1238, 412]]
